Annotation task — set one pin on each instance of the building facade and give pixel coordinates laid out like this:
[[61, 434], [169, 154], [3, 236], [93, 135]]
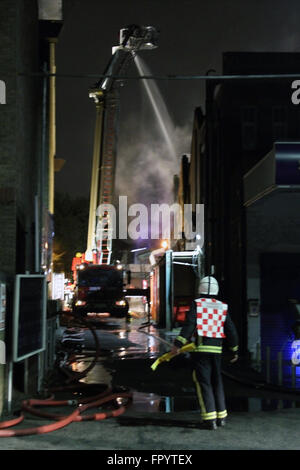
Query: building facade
[[243, 119], [25, 224]]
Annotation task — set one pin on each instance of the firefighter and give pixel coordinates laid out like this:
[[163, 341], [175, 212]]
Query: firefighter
[[209, 320]]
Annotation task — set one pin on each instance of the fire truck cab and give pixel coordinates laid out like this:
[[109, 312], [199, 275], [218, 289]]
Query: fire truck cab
[[99, 289]]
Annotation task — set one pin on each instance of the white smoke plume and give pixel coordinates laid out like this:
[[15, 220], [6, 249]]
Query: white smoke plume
[[146, 168], [149, 157]]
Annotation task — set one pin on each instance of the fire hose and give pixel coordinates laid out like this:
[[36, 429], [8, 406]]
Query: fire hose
[[190, 347], [81, 405], [74, 375]]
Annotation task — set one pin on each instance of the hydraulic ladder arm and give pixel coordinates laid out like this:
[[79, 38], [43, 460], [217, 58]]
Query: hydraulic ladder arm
[[105, 95]]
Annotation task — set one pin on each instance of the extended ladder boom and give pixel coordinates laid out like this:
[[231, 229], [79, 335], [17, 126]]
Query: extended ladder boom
[[105, 94]]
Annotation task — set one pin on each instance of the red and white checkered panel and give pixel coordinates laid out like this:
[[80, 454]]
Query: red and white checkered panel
[[211, 316]]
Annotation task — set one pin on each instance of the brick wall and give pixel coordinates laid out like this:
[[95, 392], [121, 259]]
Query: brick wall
[[18, 129]]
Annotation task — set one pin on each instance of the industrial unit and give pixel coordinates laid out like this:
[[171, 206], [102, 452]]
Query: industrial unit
[[243, 168]]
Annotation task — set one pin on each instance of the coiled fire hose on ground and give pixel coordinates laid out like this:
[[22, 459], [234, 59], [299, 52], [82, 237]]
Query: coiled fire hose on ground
[[81, 405], [75, 375]]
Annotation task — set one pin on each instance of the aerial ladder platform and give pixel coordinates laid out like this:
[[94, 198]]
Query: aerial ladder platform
[[106, 97]]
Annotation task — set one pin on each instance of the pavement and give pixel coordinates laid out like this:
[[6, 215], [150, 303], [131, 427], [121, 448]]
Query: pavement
[[163, 415]]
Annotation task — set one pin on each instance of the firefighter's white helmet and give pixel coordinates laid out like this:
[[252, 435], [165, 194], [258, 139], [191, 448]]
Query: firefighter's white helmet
[[208, 286]]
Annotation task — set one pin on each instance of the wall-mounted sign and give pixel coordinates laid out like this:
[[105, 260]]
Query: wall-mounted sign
[[29, 316], [58, 286]]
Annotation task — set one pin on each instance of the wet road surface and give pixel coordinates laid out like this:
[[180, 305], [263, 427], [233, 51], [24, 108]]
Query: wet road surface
[[164, 411]]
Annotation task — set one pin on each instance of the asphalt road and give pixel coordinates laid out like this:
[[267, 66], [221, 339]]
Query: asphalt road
[[277, 430], [148, 425]]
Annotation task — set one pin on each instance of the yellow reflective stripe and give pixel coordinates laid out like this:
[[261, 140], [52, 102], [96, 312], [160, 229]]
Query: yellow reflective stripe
[[181, 339], [199, 394], [189, 347], [212, 415], [209, 349], [222, 414], [235, 348]]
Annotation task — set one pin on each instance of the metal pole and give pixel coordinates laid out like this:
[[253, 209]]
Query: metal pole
[[41, 370], [52, 122], [37, 235], [10, 367], [279, 374], [293, 378], [25, 376], [169, 290], [43, 195], [258, 357]]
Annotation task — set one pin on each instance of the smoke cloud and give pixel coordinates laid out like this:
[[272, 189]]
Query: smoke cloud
[[146, 168], [149, 157]]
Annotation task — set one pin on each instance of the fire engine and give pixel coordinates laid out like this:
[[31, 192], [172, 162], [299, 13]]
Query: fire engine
[[105, 94]]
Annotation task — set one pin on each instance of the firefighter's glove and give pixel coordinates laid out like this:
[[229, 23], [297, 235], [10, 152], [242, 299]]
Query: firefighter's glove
[[169, 355]]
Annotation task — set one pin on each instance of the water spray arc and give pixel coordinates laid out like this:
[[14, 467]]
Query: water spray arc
[[158, 106]]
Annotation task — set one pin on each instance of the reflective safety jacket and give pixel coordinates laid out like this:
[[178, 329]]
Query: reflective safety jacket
[[211, 316], [209, 321]]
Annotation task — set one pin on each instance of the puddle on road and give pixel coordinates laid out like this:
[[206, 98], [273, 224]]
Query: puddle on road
[[150, 402], [130, 342]]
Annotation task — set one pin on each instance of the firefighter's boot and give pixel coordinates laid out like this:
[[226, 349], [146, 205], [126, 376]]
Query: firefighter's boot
[[209, 424], [221, 422]]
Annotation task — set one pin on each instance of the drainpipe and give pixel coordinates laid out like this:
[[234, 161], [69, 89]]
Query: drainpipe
[[52, 121]]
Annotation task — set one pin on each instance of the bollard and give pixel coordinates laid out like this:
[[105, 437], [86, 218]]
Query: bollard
[[293, 379], [258, 357], [279, 375], [168, 405], [268, 364], [279, 368], [293, 374]]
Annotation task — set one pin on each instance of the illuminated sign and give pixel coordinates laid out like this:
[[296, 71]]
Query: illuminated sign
[[2, 92], [296, 352], [58, 286]]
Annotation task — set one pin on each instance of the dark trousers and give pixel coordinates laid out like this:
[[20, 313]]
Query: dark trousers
[[209, 385]]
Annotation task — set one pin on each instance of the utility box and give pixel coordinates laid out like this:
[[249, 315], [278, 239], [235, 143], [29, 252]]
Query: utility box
[[173, 284]]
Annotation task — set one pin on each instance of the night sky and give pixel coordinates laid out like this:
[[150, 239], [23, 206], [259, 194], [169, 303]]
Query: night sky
[[193, 36]]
